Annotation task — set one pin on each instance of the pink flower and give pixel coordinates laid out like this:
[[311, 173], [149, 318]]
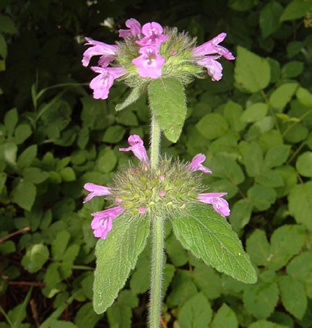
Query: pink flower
[[219, 204], [134, 29], [99, 49], [137, 147], [209, 62], [95, 191], [153, 35], [142, 210], [104, 81], [102, 222], [149, 63], [196, 164]]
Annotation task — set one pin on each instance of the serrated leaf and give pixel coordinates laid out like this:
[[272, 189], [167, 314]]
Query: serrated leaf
[[300, 204], [276, 156], [258, 247], [304, 164], [196, 312], [293, 296], [300, 266], [261, 299], [225, 318], [35, 257], [116, 256], [24, 194], [208, 236], [296, 9], [252, 73], [255, 112], [168, 103], [133, 96], [212, 126]]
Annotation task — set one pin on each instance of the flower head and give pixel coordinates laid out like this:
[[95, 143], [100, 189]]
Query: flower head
[[149, 63], [219, 204], [137, 147], [102, 222], [95, 191], [153, 35], [133, 31], [196, 164], [213, 48]]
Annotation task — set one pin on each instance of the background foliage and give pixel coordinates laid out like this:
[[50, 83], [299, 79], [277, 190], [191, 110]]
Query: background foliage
[[254, 126]]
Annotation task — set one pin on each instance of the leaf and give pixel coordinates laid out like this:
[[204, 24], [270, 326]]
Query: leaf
[[24, 194], [296, 9], [261, 197], [252, 157], [10, 120], [35, 257], [300, 267], [281, 249], [242, 5], [176, 252], [127, 118], [252, 73], [133, 96], [281, 96], [27, 156], [304, 97], [34, 175], [266, 324], [240, 214], [196, 312], [304, 164], [293, 296], [270, 179], [276, 156], [254, 113], [18, 315], [168, 103], [86, 317], [7, 25], [107, 161], [269, 18], [59, 244], [258, 247], [114, 134], [68, 174], [233, 113], [119, 315], [212, 126], [225, 318], [261, 299], [3, 47], [292, 69], [22, 132], [209, 237], [300, 204], [116, 256]]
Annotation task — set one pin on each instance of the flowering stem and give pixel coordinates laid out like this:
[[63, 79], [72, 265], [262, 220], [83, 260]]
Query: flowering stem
[[158, 238]]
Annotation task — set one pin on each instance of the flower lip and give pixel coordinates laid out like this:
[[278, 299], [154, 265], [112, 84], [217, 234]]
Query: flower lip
[[137, 147], [196, 164], [219, 204], [133, 31], [153, 35], [95, 191]]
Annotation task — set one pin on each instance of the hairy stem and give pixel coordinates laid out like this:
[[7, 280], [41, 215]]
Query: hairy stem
[[157, 238]]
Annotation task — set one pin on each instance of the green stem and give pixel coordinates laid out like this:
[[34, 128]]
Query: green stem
[[157, 238]]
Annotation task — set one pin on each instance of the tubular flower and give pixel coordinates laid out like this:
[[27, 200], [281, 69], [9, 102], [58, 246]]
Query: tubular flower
[[219, 204], [95, 191], [196, 164], [153, 35], [137, 147], [133, 31], [149, 63], [209, 48], [102, 222]]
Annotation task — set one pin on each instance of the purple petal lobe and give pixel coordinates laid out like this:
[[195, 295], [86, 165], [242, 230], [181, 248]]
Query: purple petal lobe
[[137, 147], [219, 204], [95, 190], [196, 164]]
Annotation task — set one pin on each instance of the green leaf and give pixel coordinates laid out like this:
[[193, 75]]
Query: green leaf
[[304, 97], [168, 103], [68, 258], [127, 118], [252, 157], [209, 237], [7, 25], [240, 214], [22, 132], [281, 96], [133, 96], [35, 257], [116, 256], [119, 315], [270, 179], [296, 133], [261, 299], [3, 47], [3, 178], [281, 249], [300, 204], [261, 197], [242, 5], [252, 73], [107, 161], [59, 244], [225, 318], [114, 134], [304, 164], [276, 156], [233, 113], [10, 120], [292, 69], [68, 174], [269, 18], [176, 252], [18, 314], [254, 113], [300, 267], [266, 324], [258, 247], [296, 9], [293, 296], [196, 312], [24, 195], [86, 317], [27, 156], [34, 175], [212, 126]]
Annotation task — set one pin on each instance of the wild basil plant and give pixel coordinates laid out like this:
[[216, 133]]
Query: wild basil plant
[[159, 61]]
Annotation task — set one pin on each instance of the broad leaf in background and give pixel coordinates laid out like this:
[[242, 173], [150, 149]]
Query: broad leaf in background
[[208, 236], [296, 9], [225, 318], [252, 73], [168, 103], [116, 257]]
